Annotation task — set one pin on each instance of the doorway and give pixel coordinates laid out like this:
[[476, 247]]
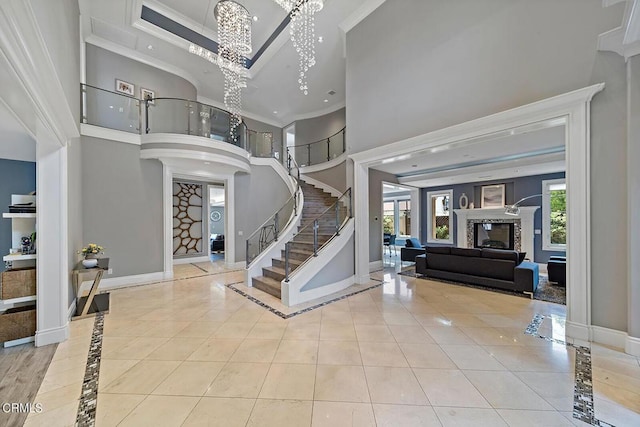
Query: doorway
[[217, 220]]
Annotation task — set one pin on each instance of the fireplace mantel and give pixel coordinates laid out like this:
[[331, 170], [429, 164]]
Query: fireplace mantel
[[525, 217]]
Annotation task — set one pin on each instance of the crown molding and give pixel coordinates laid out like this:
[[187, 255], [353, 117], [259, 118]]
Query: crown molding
[[359, 15], [625, 39]]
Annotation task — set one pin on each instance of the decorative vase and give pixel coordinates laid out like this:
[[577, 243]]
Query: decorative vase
[[471, 205], [90, 262], [463, 201]]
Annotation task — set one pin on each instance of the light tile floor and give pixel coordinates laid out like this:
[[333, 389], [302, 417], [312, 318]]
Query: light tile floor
[[412, 352]]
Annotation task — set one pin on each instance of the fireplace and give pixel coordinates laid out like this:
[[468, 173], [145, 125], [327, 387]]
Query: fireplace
[[496, 235]]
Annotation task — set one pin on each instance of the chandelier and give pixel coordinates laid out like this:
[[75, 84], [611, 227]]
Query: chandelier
[[302, 30], [234, 44]]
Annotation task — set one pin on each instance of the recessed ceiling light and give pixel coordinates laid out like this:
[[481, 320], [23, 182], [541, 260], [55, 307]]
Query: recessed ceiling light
[[255, 18], [320, 39], [111, 106], [275, 112], [150, 47], [326, 100], [207, 163]]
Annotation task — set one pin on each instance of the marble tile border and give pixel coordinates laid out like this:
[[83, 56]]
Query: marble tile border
[[299, 312], [583, 409], [86, 416]]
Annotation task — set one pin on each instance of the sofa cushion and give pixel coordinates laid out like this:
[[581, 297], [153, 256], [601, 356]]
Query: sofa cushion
[[471, 252], [413, 243], [445, 250], [501, 254]]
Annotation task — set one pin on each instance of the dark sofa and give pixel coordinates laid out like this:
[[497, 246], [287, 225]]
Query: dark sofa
[[557, 269], [495, 268], [217, 242], [411, 250]]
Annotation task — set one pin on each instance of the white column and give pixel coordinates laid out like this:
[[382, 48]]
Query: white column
[[167, 219], [52, 239], [361, 214]]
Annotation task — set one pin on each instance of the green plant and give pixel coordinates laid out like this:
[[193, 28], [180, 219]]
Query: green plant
[[387, 224], [442, 232], [558, 220]]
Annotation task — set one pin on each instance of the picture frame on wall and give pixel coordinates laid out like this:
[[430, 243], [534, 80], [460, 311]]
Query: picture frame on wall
[[125, 87], [148, 94], [492, 196]]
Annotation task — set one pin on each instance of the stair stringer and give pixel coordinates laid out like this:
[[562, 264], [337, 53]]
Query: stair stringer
[[275, 248], [321, 185], [292, 291]]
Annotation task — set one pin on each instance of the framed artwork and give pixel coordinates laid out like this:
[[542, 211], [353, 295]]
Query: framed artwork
[[126, 88], [493, 196], [148, 94]]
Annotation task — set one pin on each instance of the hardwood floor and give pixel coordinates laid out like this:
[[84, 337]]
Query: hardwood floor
[[22, 370]]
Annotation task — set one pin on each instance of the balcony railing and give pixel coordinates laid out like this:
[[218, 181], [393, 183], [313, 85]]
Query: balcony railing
[[321, 151], [114, 110]]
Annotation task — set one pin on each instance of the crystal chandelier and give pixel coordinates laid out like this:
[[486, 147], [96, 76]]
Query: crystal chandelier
[[302, 30], [234, 44]]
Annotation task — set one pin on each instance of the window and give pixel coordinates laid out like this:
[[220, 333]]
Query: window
[[404, 217], [439, 216], [388, 219], [554, 215]]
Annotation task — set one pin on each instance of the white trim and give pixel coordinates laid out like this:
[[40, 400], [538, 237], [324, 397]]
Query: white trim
[[19, 341], [199, 141], [376, 265], [574, 109], [230, 221], [190, 260], [625, 39], [278, 168], [632, 346], [415, 212], [324, 290], [325, 165], [169, 154], [321, 185], [72, 309], [110, 134], [546, 215], [610, 337], [292, 293], [359, 15], [167, 217], [52, 335], [430, 215], [126, 281], [577, 333]]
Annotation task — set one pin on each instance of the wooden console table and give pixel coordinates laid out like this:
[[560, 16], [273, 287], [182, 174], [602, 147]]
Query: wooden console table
[[93, 303]]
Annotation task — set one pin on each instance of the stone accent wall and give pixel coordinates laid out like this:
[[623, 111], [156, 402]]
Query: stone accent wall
[[517, 231], [187, 219]]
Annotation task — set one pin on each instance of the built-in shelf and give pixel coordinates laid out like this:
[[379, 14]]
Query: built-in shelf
[[19, 257], [18, 215]]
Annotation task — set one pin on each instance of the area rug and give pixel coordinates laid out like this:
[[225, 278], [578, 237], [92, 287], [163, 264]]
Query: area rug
[[545, 292]]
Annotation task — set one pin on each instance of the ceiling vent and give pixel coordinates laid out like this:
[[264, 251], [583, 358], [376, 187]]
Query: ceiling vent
[[331, 92]]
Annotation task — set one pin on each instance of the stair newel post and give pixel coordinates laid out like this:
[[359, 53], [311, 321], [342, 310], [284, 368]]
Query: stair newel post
[[328, 149], [338, 218], [344, 140], [315, 237], [146, 116], [247, 252], [350, 205], [286, 261], [276, 227], [289, 161], [309, 155]]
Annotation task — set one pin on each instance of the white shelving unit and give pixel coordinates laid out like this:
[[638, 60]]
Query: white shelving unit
[[22, 224]]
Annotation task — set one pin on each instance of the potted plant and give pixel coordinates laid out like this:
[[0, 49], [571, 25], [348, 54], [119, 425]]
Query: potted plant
[[91, 252]]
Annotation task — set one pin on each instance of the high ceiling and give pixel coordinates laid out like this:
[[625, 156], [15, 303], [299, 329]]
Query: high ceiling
[[272, 95], [16, 143]]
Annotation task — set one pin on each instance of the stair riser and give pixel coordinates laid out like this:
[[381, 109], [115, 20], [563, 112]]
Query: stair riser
[[280, 264], [266, 288], [298, 256]]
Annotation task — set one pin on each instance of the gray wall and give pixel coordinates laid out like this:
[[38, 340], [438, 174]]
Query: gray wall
[[633, 191], [16, 177], [318, 128], [74, 206], [104, 67], [264, 127], [515, 189], [375, 211], [335, 177], [59, 23], [341, 267], [258, 196], [494, 56], [122, 206]]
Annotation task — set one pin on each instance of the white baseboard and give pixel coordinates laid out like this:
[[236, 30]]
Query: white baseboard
[[577, 333], [375, 265], [365, 278], [632, 346], [52, 336], [190, 260], [72, 309], [126, 281], [610, 337]]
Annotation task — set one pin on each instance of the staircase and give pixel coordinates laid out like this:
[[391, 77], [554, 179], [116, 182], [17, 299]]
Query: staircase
[[316, 202]]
